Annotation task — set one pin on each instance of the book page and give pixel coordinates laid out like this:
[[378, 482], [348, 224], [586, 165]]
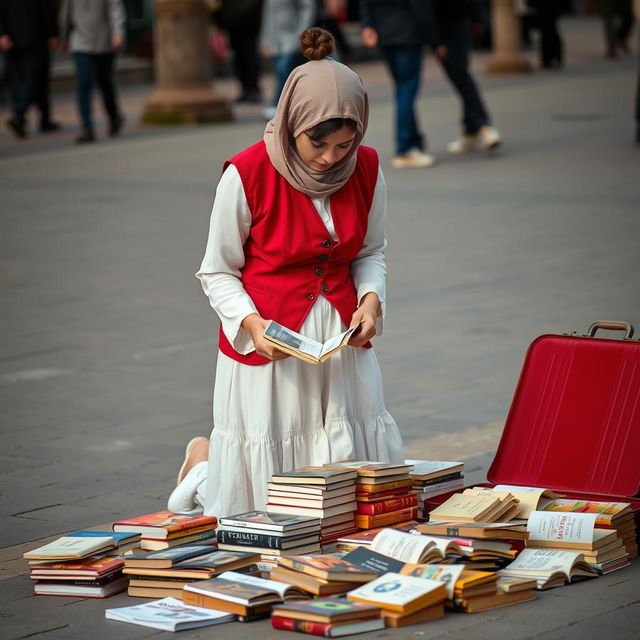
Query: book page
[[336, 342], [544, 561], [529, 497], [293, 340], [569, 527], [272, 585], [402, 546], [448, 574]]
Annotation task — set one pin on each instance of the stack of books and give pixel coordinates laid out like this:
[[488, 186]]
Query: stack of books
[[249, 597], [272, 535], [80, 564], [548, 567], [87, 578], [164, 529], [327, 617], [433, 478], [321, 575], [403, 599], [477, 505], [383, 493], [165, 573], [601, 548], [327, 494], [609, 515]]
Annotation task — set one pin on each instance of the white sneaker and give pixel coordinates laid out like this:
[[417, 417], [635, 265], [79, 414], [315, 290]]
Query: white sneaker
[[413, 159], [464, 144], [489, 137]]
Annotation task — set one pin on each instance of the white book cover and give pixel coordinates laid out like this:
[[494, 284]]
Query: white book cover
[[71, 547], [448, 574], [395, 589], [168, 614], [561, 526], [281, 588], [542, 561], [424, 467]]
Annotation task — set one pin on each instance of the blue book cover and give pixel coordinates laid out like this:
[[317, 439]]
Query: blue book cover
[[119, 537]]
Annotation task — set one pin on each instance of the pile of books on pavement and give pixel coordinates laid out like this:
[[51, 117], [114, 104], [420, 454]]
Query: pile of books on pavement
[[81, 564], [269, 534], [164, 529], [432, 478], [324, 493], [383, 493], [165, 573]]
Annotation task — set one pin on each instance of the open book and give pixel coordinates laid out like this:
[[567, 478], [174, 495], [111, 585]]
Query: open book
[[416, 549], [549, 567], [295, 344]]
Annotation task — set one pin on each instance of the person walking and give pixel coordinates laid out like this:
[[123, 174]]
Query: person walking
[[28, 32], [547, 14], [617, 20], [282, 22], [241, 19], [297, 235], [400, 28], [94, 32], [454, 21]]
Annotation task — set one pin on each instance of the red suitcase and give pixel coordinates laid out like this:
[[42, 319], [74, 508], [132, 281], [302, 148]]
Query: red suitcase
[[574, 423]]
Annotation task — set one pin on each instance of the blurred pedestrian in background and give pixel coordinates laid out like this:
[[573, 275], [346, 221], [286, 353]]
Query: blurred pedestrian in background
[[242, 19], [454, 22], [617, 19], [94, 31], [28, 32], [329, 15], [400, 28], [282, 22], [546, 15]]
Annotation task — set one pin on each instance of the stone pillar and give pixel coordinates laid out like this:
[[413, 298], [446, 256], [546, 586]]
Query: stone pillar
[[184, 93], [507, 56]]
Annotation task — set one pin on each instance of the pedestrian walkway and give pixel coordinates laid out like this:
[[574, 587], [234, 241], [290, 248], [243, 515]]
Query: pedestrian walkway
[[107, 362]]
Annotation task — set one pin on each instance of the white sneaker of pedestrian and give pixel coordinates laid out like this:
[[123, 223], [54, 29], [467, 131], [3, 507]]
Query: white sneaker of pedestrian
[[464, 144], [413, 159], [489, 137]]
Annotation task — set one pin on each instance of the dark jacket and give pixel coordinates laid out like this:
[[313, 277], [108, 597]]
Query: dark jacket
[[400, 22], [459, 10], [29, 23]]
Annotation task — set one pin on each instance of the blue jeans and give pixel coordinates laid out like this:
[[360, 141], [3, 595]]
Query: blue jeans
[[405, 63], [100, 67], [283, 65]]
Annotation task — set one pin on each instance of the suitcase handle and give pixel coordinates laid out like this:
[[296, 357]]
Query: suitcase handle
[[611, 325]]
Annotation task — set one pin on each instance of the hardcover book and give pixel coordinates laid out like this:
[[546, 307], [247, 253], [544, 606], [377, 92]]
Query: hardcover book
[[404, 594], [326, 629], [368, 468], [248, 538], [427, 469], [87, 567], [162, 524], [71, 548], [314, 475], [70, 589], [329, 610], [166, 557], [269, 521], [506, 530], [329, 568]]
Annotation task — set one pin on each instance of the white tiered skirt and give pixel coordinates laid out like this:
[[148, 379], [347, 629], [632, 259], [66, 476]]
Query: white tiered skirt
[[289, 414]]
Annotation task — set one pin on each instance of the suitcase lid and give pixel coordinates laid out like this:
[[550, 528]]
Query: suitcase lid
[[574, 423]]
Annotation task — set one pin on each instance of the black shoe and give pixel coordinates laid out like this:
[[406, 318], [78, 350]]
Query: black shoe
[[86, 136], [17, 128], [49, 126], [115, 125]]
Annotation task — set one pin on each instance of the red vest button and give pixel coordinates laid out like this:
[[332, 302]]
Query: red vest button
[[326, 244], [311, 296], [323, 258], [319, 271], [324, 288]]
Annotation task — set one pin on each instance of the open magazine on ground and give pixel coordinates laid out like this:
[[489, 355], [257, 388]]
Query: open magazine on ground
[[295, 344]]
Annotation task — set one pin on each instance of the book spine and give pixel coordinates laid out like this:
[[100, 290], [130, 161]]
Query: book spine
[[394, 504], [301, 626], [383, 519], [263, 540]]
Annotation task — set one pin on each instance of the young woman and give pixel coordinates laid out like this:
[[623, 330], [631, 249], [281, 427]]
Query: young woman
[[297, 235]]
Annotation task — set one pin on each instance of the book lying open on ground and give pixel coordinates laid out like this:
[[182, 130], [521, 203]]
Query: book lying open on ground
[[408, 547], [549, 567], [304, 348], [529, 497], [168, 614], [567, 530]]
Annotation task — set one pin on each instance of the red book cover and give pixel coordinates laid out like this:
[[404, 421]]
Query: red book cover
[[301, 626], [84, 567], [366, 496], [384, 506], [162, 524], [384, 519]]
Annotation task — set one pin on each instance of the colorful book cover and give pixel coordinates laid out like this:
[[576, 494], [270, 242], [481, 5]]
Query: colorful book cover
[[326, 566], [373, 561], [606, 511], [219, 559], [121, 537], [171, 522], [87, 566], [329, 608], [385, 506]]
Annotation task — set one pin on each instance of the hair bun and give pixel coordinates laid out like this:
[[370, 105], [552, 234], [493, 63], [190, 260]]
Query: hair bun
[[316, 43]]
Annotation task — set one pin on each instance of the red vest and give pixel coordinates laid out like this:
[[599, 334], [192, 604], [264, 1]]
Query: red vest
[[290, 257]]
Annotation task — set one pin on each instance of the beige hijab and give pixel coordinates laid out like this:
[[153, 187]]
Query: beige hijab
[[315, 92]]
